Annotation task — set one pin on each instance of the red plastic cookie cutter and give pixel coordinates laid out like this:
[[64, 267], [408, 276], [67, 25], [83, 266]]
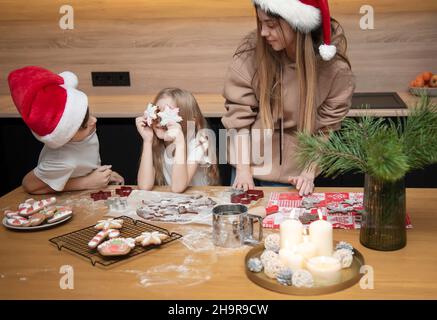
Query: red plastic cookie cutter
[[247, 197], [123, 191], [101, 195]]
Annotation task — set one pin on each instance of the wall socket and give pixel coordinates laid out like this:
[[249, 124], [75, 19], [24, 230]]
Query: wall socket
[[110, 79]]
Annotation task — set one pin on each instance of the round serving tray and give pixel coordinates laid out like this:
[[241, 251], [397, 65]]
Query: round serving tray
[[40, 227], [350, 277]]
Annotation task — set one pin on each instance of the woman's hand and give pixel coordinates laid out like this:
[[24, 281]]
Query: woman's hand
[[144, 130], [304, 182], [243, 179]]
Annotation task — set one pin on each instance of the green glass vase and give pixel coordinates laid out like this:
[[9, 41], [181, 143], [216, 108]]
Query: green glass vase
[[384, 216]]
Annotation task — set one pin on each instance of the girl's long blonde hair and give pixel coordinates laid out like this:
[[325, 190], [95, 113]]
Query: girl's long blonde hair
[[189, 111], [268, 77]]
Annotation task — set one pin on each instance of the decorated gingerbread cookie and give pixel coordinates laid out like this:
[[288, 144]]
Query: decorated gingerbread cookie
[[150, 114], [109, 224], [169, 115], [10, 214], [18, 221], [149, 238], [60, 214], [102, 235], [31, 206], [116, 247], [37, 219]]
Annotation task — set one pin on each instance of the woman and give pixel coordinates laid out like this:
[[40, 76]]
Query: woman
[[285, 76]]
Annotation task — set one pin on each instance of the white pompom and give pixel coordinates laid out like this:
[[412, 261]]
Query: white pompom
[[70, 79], [327, 52]]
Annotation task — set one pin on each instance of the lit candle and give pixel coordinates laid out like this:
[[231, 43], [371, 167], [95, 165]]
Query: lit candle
[[307, 249], [291, 233], [321, 236], [291, 259], [326, 271]]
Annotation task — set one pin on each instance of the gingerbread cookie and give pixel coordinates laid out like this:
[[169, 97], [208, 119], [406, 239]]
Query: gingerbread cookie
[[116, 247], [149, 238], [102, 235], [10, 214], [60, 214], [31, 206], [109, 224], [169, 115], [18, 221], [37, 219], [150, 114]]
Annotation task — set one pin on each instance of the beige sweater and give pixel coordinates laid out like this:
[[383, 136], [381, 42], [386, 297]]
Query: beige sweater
[[336, 84]]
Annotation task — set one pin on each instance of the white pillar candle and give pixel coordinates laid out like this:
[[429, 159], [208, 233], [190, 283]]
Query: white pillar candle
[[321, 237], [291, 233], [291, 259], [307, 249], [326, 271]]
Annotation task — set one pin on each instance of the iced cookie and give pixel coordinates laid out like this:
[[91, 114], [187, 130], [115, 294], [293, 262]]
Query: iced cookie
[[109, 224], [37, 219], [10, 214], [31, 206], [60, 214], [18, 222], [116, 247], [149, 238], [169, 115], [102, 235], [150, 114]]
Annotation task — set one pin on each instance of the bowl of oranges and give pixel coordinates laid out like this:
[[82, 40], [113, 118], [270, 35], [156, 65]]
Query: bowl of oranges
[[424, 84]]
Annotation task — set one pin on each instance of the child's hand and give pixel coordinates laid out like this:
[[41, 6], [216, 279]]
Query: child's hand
[[116, 178], [304, 182], [99, 178], [144, 130], [173, 132], [243, 180]]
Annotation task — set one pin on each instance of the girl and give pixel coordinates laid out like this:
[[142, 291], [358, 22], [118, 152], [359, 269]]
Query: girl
[[286, 76], [164, 160]]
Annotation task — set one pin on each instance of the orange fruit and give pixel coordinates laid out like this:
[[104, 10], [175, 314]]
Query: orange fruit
[[420, 82], [427, 76]]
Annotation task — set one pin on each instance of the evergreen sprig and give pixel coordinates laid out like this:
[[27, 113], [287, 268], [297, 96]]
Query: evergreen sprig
[[375, 146]]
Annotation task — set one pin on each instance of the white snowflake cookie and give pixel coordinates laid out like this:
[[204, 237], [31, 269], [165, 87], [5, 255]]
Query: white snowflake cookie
[[150, 114]]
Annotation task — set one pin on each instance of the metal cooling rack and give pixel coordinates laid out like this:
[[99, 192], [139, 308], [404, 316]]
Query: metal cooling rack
[[77, 241]]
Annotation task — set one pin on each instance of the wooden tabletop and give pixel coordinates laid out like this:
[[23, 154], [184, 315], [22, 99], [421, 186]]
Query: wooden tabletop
[[212, 106], [30, 265]]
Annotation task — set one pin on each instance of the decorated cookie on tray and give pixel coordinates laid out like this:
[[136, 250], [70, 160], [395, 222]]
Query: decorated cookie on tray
[[116, 247], [151, 238]]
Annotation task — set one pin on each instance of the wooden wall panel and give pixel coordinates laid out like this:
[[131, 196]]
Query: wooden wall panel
[[190, 43]]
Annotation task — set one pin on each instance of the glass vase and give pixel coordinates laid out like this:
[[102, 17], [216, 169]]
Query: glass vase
[[384, 216]]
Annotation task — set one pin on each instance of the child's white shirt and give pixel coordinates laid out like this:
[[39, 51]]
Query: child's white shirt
[[197, 153], [72, 160]]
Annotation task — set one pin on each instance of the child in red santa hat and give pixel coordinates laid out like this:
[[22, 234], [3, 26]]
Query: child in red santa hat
[[58, 115]]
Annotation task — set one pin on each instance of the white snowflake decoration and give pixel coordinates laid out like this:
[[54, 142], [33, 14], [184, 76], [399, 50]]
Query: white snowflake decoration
[[150, 114], [169, 115]]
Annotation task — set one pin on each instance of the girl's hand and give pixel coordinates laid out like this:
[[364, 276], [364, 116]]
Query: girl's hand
[[304, 182], [243, 180], [173, 132], [144, 130]]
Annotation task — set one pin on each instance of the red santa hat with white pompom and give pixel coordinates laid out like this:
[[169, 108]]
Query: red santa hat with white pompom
[[49, 103], [305, 16]]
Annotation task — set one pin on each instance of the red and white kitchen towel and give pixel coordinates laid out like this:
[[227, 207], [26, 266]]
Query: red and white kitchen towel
[[351, 220]]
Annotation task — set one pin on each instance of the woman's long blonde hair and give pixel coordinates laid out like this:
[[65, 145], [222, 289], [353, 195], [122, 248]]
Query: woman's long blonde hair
[[268, 77], [189, 111]]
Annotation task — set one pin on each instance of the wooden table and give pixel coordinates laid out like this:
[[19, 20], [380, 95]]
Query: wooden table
[[30, 265], [211, 105]]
